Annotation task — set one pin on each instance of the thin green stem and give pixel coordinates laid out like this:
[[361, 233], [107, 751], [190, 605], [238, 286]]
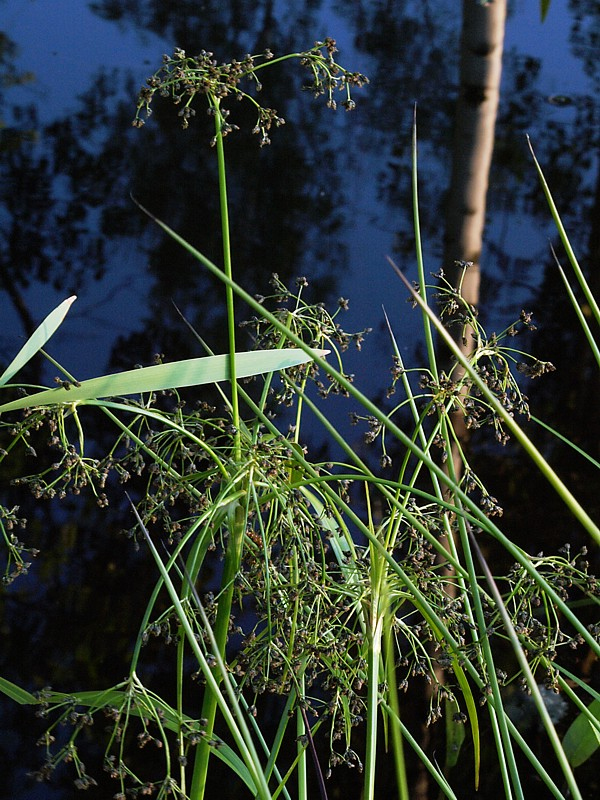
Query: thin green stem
[[374, 616], [534, 454], [302, 771], [236, 527], [394, 718], [227, 268], [237, 727], [531, 682], [565, 240], [419, 251], [236, 524]]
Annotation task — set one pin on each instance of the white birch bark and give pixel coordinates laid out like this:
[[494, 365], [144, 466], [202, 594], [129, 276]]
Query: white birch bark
[[481, 48]]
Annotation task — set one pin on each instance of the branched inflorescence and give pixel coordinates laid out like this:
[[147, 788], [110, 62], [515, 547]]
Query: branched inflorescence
[[298, 624], [314, 324], [181, 78], [456, 393]]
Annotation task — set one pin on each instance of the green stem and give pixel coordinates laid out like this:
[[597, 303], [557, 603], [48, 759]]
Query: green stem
[[419, 251], [227, 269], [374, 661], [526, 669], [236, 529], [232, 713], [236, 524], [392, 694], [300, 734], [374, 619]]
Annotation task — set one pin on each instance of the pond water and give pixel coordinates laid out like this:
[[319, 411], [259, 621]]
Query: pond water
[[329, 199], [367, 152]]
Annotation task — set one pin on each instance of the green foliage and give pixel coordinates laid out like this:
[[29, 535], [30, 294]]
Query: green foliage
[[583, 737], [544, 8], [189, 372], [342, 584], [37, 340], [16, 693]]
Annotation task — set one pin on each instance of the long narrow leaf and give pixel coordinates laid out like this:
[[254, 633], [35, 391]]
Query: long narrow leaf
[[472, 715], [534, 454], [565, 240], [37, 339], [231, 715], [521, 657], [578, 311], [544, 6], [17, 694], [170, 718], [582, 738], [189, 372], [382, 417], [455, 733]]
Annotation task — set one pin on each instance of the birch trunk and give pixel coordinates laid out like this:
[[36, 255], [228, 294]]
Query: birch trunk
[[481, 48]]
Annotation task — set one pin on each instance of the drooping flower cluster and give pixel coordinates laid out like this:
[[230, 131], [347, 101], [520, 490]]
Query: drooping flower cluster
[[182, 77]]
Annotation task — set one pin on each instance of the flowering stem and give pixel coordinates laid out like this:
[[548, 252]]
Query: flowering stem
[[236, 523], [224, 209]]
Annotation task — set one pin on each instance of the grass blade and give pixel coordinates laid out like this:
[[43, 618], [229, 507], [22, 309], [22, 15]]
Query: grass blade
[[578, 311], [37, 339], [534, 454], [232, 715], [565, 240], [189, 372], [583, 737], [544, 7], [17, 694]]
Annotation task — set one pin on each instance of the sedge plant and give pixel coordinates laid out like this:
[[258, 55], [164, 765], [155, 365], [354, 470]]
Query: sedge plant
[[345, 583]]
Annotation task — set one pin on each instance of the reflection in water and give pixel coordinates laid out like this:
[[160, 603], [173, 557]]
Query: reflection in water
[[68, 225]]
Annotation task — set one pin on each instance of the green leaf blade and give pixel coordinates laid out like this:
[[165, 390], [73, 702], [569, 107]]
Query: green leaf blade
[[37, 339], [582, 739], [544, 6], [17, 694], [175, 375]]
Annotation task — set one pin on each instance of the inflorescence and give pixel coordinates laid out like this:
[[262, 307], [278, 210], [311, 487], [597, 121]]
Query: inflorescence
[[182, 77]]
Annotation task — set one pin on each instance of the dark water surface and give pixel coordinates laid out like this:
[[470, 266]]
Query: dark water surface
[[329, 199], [347, 197]]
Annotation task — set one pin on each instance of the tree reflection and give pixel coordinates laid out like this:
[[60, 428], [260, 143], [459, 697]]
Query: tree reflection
[[43, 236], [413, 47], [276, 225], [69, 195]]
